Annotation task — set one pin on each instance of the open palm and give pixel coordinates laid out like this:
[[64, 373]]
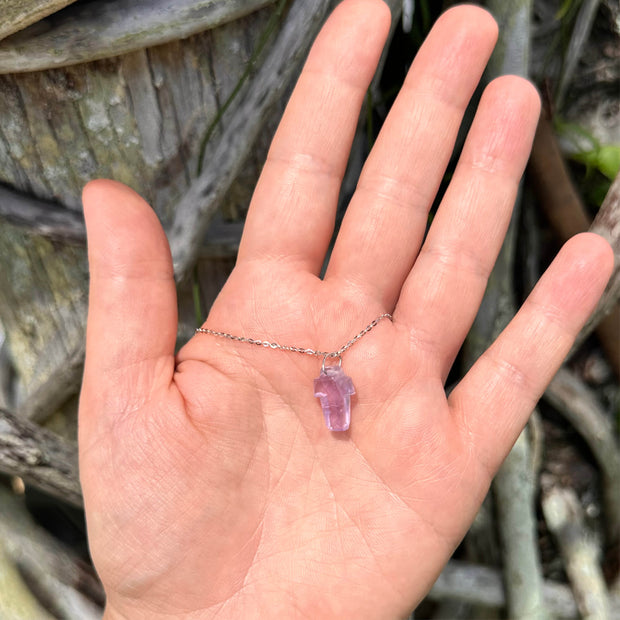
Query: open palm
[[212, 486]]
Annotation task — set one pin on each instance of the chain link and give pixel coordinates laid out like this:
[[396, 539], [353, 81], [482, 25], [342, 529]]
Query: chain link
[[294, 349]]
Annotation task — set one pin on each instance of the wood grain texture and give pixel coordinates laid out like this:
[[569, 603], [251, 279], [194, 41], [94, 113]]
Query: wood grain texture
[[97, 29], [18, 14]]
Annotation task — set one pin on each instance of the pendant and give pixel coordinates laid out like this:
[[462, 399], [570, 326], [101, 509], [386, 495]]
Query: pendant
[[334, 390]]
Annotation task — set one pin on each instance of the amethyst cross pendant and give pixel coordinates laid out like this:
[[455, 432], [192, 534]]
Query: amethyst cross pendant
[[334, 390]]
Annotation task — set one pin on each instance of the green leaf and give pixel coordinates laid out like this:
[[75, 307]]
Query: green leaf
[[609, 160]]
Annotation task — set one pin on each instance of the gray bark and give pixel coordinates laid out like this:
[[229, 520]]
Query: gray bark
[[40, 457], [18, 14], [68, 583], [565, 519], [483, 587], [607, 224], [21, 604], [572, 398], [92, 30]]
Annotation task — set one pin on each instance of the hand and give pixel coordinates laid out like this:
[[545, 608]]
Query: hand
[[212, 486]]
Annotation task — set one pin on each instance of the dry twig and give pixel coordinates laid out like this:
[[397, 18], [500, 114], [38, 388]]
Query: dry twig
[[41, 458], [483, 587], [575, 401], [68, 584], [580, 552], [607, 224]]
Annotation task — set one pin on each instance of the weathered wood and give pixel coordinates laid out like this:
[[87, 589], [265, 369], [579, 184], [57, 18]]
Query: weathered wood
[[607, 224], [139, 119], [46, 561], [17, 602], [42, 307], [99, 29], [63, 380], [40, 217], [18, 14], [39, 457], [514, 484], [483, 587], [572, 398], [565, 519], [240, 128], [575, 47]]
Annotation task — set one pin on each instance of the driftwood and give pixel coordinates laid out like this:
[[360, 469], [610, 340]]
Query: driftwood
[[40, 217], [576, 402], [607, 224], [40, 457], [68, 584], [574, 51], [21, 603], [18, 14], [565, 519], [42, 307], [514, 489], [92, 30], [483, 587]]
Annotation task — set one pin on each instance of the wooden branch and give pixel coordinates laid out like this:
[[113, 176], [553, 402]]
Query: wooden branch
[[39, 457], [564, 517], [240, 128], [96, 29], [514, 489], [18, 14], [576, 402], [607, 224], [42, 217], [65, 579], [567, 215], [483, 587], [574, 51], [17, 602]]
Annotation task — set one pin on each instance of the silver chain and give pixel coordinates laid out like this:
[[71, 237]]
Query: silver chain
[[283, 347]]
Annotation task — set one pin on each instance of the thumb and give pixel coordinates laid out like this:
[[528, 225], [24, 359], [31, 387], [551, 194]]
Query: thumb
[[132, 316]]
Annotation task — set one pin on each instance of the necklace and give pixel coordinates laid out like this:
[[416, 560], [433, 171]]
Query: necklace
[[332, 387]]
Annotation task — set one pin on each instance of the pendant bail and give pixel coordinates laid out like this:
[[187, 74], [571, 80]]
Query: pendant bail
[[331, 355]]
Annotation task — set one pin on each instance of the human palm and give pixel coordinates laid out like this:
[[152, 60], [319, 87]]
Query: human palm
[[211, 484]]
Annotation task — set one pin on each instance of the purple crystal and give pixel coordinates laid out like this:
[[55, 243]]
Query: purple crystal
[[334, 390]]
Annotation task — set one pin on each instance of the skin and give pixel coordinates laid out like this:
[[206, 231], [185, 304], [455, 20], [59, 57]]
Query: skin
[[212, 487]]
